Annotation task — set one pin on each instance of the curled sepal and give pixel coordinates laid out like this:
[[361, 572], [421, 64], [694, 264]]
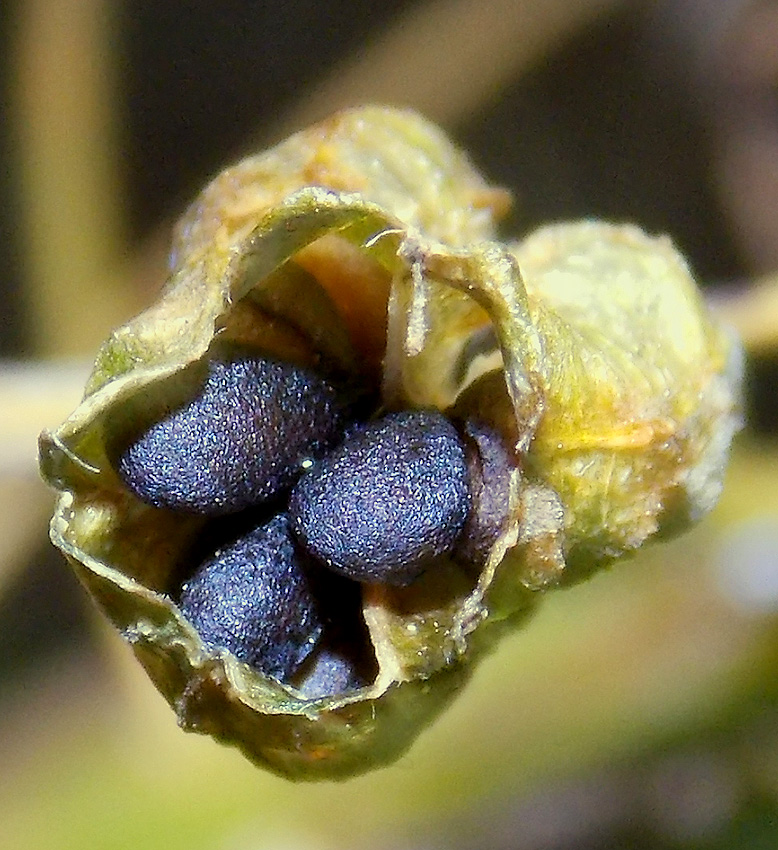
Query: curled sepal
[[588, 398]]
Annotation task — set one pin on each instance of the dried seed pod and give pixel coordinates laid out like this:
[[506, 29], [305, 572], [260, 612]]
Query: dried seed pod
[[387, 502], [369, 241], [239, 442]]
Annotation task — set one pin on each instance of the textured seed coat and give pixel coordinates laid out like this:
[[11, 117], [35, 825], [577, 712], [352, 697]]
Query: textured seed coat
[[239, 443], [386, 502], [255, 597]]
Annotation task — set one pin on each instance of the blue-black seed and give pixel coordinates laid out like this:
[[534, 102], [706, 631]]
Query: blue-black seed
[[344, 659], [490, 465], [255, 597], [240, 442], [387, 501], [260, 596], [335, 670]]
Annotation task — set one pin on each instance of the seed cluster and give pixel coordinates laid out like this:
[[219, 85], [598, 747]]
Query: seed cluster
[[323, 501]]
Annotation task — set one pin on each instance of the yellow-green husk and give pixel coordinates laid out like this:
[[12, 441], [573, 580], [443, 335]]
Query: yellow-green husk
[[376, 239]]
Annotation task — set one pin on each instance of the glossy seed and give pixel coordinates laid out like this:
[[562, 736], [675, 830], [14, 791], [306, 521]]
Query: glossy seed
[[387, 501], [240, 442]]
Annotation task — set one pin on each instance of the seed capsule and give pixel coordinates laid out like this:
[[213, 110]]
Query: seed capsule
[[593, 394], [387, 501], [239, 442]]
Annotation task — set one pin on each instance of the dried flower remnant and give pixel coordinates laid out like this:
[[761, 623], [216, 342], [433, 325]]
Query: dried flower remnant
[[340, 312]]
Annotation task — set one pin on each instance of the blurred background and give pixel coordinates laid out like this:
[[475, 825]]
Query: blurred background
[[637, 711]]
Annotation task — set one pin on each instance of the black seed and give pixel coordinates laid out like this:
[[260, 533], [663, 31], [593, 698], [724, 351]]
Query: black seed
[[240, 442], [344, 659], [489, 465], [334, 671], [255, 598], [264, 599], [386, 502]]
